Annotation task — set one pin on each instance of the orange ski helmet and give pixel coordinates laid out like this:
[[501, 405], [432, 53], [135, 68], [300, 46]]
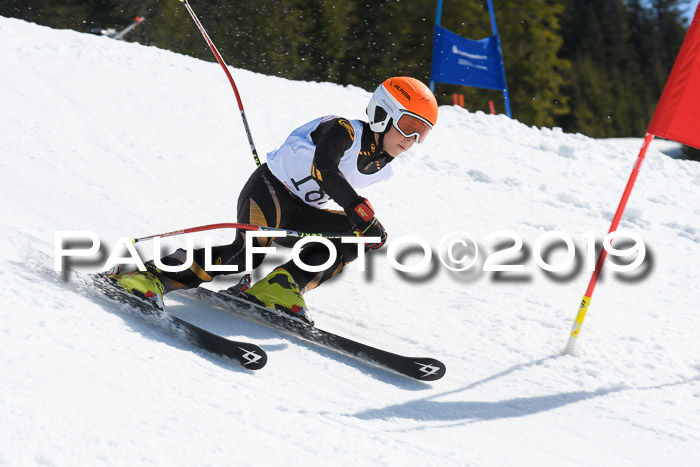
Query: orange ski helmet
[[407, 103]]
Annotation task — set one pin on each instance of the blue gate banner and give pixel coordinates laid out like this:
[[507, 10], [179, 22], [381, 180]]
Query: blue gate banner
[[457, 60]]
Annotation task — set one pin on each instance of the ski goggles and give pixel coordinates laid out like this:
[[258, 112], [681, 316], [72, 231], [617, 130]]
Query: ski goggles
[[411, 125]]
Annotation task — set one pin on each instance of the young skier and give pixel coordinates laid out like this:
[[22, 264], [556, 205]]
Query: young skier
[[327, 158]]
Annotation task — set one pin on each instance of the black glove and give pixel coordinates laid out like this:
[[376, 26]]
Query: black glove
[[373, 228], [361, 215]]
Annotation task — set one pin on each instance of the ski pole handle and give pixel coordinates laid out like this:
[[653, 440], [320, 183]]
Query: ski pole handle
[[236, 225]]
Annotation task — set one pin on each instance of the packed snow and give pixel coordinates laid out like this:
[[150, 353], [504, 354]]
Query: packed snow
[[125, 141]]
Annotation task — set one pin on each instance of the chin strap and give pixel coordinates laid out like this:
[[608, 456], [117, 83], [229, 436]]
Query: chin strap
[[380, 142]]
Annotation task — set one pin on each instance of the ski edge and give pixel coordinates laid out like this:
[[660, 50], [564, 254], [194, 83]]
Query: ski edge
[[425, 369], [249, 355]]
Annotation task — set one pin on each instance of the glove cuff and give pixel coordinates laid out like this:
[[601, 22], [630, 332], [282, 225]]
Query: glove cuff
[[361, 212]]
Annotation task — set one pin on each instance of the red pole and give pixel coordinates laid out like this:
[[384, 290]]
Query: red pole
[[235, 225], [229, 225], [228, 75], [620, 208], [583, 308], [454, 99], [492, 108]]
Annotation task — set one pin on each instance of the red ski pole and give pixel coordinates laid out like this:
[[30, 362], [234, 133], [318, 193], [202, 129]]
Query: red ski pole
[[230, 79], [235, 225]]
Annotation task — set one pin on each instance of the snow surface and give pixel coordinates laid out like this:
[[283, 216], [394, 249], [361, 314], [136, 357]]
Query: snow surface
[[127, 140]]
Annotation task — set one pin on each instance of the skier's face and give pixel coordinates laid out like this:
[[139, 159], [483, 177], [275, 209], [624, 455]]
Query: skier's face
[[395, 143]]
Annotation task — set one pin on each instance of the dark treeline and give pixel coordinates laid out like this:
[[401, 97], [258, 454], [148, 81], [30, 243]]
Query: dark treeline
[[590, 66]]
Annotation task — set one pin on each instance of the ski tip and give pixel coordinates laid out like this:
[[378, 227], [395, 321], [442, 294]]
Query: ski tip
[[252, 357], [429, 369]]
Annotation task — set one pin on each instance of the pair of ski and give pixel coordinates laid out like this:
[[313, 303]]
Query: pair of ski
[[252, 356]]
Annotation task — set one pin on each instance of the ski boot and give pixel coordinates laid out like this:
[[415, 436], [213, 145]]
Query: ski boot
[[238, 290], [144, 285], [277, 291]]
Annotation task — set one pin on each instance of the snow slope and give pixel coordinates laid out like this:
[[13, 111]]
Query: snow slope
[[126, 140]]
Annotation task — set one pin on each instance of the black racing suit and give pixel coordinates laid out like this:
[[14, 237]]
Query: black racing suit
[[265, 201]]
